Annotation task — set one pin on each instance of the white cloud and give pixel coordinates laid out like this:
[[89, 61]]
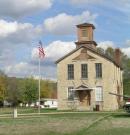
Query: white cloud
[[13, 32], [55, 50], [128, 42], [7, 28], [19, 69], [126, 51], [26, 69], [17, 33], [106, 44], [65, 24], [17, 8]]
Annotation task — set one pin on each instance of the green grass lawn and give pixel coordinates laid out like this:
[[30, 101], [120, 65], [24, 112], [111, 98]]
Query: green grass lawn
[[25, 110], [116, 124], [67, 124]]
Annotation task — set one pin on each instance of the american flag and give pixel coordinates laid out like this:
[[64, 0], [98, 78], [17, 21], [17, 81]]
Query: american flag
[[41, 50]]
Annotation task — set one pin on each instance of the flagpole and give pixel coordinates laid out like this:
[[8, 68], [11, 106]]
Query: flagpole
[[41, 55], [39, 85]]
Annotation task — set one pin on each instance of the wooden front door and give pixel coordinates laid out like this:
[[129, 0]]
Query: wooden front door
[[84, 97]]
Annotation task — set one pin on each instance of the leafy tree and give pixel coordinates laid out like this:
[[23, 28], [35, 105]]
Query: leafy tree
[[3, 86], [30, 90], [126, 83], [16, 90], [45, 89], [126, 67], [48, 88], [54, 90], [100, 50], [21, 82], [13, 94], [110, 52]]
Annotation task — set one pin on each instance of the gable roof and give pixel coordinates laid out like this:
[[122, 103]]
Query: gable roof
[[83, 55], [83, 87], [92, 50]]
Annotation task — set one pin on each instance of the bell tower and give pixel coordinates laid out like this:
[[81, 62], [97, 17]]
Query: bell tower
[[85, 35]]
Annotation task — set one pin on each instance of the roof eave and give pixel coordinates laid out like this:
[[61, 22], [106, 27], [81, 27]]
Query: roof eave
[[67, 55], [100, 54], [86, 25]]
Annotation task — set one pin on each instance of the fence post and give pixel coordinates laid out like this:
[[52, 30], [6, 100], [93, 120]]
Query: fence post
[[15, 113]]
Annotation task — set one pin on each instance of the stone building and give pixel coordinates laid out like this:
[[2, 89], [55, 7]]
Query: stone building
[[86, 75]]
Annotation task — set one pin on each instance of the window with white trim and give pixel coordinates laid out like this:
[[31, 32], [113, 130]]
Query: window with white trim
[[98, 67], [84, 71], [70, 71], [71, 93], [99, 93]]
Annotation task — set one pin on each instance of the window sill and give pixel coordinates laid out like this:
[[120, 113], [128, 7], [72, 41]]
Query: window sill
[[83, 78], [99, 101], [100, 78]]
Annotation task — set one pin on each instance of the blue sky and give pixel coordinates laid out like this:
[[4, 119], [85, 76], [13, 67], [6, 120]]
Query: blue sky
[[25, 22]]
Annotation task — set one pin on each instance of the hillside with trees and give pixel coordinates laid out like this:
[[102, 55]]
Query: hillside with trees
[[24, 90]]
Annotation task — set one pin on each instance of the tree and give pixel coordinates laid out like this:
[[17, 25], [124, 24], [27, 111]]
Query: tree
[[3, 86], [45, 89], [13, 94], [30, 90], [48, 89], [20, 83], [110, 52]]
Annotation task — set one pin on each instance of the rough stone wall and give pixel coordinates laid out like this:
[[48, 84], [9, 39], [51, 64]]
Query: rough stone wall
[[110, 76]]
